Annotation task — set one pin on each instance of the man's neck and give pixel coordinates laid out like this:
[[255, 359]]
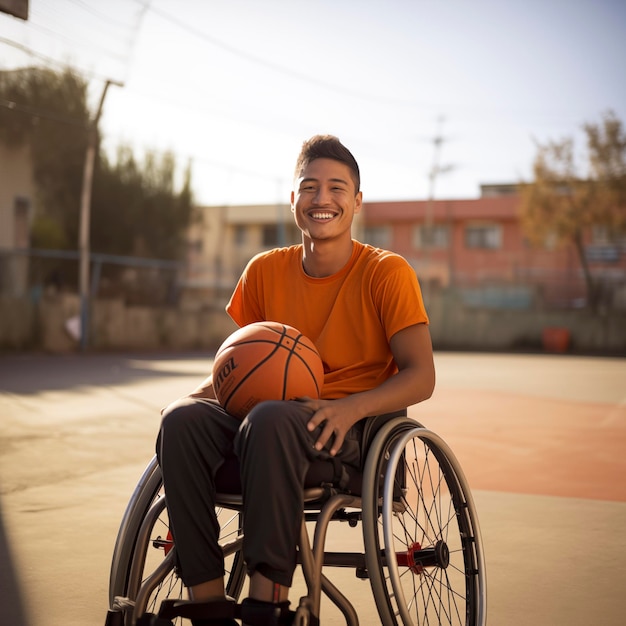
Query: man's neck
[[325, 258]]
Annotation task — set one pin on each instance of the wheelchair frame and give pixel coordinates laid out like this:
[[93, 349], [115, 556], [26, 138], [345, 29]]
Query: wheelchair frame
[[429, 550]]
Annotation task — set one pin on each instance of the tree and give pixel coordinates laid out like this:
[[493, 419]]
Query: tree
[[563, 203], [48, 111], [136, 209]]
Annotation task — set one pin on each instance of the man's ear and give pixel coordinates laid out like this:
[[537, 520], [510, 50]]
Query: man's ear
[[293, 202], [358, 202]]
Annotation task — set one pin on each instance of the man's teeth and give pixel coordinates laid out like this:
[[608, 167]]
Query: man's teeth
[[322, 216]]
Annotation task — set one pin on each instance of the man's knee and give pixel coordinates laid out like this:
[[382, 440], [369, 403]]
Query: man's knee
[[276, 419], [185, 423], [178, 416], [266, 414]]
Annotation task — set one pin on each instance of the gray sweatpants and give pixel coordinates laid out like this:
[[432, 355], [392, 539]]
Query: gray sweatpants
[[270, 456]]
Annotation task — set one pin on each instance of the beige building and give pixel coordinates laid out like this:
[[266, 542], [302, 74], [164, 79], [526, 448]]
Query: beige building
[[17, 195], [225, 238]]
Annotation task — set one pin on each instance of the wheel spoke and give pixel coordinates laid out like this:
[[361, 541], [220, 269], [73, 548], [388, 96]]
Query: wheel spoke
[[433, 573], [142, 569]]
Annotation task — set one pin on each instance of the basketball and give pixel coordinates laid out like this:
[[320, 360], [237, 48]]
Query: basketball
[[265, 361]]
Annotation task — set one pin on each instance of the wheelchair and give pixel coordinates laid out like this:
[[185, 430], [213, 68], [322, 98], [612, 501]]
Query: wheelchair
[[422, 548]]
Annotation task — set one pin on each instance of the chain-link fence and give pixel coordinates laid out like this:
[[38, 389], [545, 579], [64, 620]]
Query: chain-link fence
[[158, 282], [136, 280], [155, 304]]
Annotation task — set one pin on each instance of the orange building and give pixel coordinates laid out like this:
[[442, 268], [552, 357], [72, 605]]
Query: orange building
[[478, 247], [475, 246]]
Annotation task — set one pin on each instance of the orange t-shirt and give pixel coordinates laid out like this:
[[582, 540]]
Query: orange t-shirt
[[350, 316]]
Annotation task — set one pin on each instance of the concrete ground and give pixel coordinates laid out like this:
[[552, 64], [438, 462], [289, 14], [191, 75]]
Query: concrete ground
[[542, 440]]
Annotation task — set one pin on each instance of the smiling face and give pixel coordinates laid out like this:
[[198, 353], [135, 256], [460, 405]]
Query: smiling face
[[325, 200]]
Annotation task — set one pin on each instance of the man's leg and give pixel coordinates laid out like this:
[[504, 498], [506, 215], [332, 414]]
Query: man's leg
[[275, 451], [195, 437]]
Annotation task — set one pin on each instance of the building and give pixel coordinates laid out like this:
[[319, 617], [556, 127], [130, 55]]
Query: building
[[478, 247], [225, 238], [475, 246], [17, 192]]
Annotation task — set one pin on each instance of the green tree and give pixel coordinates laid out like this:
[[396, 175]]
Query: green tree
[[564, 202], [136, 209], [48, 110]]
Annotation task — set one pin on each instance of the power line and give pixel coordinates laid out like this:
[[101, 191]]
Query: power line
[[75, 40], [204, 160], [145, 6], [99, 14], [50, 61], [275, 67], [85, 30], [79, 18], [31, 52], [131, 28]]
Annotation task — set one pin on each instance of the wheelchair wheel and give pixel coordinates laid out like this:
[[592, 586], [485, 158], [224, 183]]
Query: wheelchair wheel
[[423, 547], [143, 571]]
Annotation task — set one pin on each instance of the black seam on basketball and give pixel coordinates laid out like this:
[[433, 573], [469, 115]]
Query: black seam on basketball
[[286, 372], [308, 367], [293, 352], [282, 333], [277, 346]]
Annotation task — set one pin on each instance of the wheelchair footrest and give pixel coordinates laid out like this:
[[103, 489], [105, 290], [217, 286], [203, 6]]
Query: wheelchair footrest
[[114, 618], [258, 613], [250, 612], [149, 619], [213, 610]]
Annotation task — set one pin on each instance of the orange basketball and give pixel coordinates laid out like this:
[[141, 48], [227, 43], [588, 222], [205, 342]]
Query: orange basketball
[[265, 361]]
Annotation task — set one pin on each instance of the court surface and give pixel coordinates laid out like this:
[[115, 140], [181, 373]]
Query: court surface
[[542, 439]]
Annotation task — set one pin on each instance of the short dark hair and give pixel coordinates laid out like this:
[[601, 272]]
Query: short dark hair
[[327, 147]]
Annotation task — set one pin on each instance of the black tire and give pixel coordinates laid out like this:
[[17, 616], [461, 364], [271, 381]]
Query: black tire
[[143, 571], [423, 546]]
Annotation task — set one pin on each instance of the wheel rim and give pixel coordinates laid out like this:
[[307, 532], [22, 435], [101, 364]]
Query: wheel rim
[[160, 547], [429, 537]]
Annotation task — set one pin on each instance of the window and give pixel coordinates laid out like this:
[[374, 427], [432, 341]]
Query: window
[[602, 235], [270, 235], [195, 246], [240, 235], [378, 236], [293, 234], [20, 227], [606, 246], [486, 236], [550, 241], [435, 236]]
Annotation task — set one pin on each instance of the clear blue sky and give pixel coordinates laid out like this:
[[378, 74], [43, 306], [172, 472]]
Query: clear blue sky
[[237, 85]]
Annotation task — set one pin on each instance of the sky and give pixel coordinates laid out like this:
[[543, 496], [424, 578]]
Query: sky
[[233, 87]]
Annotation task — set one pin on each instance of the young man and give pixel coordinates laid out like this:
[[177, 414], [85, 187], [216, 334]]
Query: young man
[[363, 309]]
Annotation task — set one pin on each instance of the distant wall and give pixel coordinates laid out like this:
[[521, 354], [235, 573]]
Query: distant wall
[[457, 327], [41, 325]]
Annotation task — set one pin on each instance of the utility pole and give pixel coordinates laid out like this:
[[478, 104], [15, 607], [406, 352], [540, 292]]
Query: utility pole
[[85, 219], [435, 170], [282, 226]]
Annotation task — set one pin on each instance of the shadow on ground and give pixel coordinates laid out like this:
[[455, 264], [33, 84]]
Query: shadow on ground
[[33, 373]]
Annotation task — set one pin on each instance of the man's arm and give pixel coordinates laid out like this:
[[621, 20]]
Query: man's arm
[[415, 381], [204, 389]]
